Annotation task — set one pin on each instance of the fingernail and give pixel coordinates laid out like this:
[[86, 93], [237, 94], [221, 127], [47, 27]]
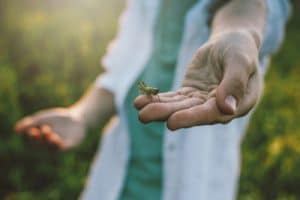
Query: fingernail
[[231, 102]]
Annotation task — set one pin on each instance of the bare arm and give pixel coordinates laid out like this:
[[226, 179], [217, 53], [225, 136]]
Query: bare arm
[[222, 81], [95, 106], [244, 15], [64, 128]]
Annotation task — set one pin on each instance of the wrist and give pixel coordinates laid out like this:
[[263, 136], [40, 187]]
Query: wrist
[[94, 108], [77, 112], [256, 36], [251, 34]]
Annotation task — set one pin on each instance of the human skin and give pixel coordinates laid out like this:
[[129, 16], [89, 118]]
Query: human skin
[[63, 128], [222, 81]]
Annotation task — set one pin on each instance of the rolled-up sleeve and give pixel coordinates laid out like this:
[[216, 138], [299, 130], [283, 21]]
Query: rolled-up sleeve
[[278, 14]]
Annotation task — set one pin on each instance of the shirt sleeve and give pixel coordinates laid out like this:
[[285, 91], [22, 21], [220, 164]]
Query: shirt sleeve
[[278, 14], [130, 47], [104, 80], [118, 50]]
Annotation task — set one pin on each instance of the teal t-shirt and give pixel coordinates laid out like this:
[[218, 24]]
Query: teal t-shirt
[[145, 167]]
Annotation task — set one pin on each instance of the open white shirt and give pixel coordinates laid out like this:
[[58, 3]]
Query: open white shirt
[[200, 163]]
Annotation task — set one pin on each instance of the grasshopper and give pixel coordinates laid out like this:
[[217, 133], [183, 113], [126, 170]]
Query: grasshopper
[[144, 89]]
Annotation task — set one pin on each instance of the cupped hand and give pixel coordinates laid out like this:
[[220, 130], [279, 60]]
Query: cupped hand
[[57, 128], [221, 83]]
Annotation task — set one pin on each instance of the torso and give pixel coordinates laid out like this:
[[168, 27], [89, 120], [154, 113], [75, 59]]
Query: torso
[[144, 172]]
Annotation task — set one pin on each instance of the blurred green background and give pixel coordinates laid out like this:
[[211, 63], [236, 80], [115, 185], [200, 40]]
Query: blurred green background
[[50, 53]]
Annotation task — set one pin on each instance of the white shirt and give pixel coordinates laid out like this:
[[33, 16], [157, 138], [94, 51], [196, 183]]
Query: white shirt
[[199, 163]]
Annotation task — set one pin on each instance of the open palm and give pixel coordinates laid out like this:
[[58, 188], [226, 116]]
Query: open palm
[[221, 83], [53, 127]]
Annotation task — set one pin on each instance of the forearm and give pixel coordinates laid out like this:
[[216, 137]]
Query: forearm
[[95, 107], [241, 15]]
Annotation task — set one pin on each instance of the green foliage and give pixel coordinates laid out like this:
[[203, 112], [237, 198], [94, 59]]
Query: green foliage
[[49, 53], [271, 148]]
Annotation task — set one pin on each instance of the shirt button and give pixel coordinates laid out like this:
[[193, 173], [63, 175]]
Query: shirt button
[[172, 147]]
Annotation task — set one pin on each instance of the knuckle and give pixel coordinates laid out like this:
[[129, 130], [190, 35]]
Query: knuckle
[[247, 62], [202, 49], [244, 59], [200, 55]]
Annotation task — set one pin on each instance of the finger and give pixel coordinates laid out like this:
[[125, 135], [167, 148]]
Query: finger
[[168, 94], [47, 133], [34, 133], [233, 85], [161, 111], [46, 136], [179, 95], [30, 121], [143, 100], [45, 129], [24, 124], [204, 114], [52, 140]]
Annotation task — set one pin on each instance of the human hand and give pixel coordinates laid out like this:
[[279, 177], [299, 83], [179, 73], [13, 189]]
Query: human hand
[[221, 83], [57, 128]]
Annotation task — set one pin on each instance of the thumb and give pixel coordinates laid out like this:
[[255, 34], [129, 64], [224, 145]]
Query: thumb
[[24, 124], [233, 86], [30, 121]]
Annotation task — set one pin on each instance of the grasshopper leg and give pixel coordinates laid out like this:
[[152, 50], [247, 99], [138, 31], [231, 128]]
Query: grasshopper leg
[[158, 98]]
